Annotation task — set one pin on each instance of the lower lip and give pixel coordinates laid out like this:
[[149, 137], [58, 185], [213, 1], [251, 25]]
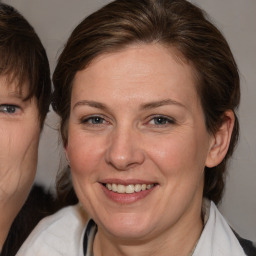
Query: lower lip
[[126, 198]]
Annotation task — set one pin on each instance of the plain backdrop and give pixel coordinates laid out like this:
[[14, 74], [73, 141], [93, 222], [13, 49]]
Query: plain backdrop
[[55, 19]]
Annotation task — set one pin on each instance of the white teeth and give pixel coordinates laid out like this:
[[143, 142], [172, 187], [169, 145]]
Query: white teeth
[[149, 186], [109, 186], [129, 189], [120, 188], [137, 188], [114, 187]]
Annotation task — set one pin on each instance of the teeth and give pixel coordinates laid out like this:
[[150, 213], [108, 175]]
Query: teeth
[[149, 186], [121, 188], [114, 187], [109, 186], [137, 188], [129, 189]]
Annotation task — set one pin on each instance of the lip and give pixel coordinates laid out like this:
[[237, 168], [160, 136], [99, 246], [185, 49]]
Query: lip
[[127, 198]]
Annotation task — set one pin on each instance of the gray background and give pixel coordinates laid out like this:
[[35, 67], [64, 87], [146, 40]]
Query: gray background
[[55, 19]]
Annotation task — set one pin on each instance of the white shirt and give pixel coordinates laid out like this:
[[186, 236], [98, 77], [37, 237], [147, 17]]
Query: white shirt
[[62, 234], [217, 238], [57, 235]]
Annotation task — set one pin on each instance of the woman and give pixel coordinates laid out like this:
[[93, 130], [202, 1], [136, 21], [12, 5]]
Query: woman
[[147, 93], [25, 89]]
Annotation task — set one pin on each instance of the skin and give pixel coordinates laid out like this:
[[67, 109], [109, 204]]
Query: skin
[[19, 136], [115, 135]]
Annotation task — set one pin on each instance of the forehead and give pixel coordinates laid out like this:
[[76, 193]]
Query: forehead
[[138, 71], [10, 84]]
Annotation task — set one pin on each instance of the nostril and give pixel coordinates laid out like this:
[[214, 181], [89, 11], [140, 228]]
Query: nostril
[[124, 151]]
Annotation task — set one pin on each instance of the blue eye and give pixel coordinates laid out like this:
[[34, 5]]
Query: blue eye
[[94, 120], [9, 109], [161, 121]]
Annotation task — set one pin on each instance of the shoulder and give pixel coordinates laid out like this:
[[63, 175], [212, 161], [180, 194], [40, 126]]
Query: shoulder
[[58, 234], [67, 219]]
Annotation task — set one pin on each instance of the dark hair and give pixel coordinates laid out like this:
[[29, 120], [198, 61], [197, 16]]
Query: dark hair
[[172, 23], [23, 58], [39, 204]]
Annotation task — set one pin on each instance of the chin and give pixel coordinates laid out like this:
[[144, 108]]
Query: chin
[[127, 226]]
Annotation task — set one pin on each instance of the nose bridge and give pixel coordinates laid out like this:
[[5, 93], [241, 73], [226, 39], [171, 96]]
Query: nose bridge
[[124, 149]]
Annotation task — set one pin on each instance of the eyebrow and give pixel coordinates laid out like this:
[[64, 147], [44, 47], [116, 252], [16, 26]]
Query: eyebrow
[[93, 104], [156, 104], [150, 105]]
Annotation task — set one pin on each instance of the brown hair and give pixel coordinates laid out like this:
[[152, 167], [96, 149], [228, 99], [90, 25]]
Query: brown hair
[[175, 23], [23, 58]]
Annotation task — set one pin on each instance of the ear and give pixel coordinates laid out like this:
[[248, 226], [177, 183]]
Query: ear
[[220, 140]]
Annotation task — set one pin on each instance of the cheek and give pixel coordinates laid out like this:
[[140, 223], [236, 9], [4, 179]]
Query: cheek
[[18, 141], [84, 153], [18, 157], [177, 154]]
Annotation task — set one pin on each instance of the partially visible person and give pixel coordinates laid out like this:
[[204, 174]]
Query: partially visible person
[[39, 204], [147, 92], [25, 90]]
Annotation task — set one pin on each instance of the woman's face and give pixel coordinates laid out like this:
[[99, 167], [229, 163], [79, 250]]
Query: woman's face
[[136, 126], [19, 136]]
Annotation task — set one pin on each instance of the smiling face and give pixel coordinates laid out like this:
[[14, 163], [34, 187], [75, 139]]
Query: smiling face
[[137, 143], [19, 136]]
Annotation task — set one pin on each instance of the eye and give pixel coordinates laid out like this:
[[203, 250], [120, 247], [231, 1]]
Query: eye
[[161, 121], [9, 109], [94, 120]]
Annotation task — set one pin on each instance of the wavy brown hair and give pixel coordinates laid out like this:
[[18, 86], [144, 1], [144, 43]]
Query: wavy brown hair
[[172, 23], [23, 58]]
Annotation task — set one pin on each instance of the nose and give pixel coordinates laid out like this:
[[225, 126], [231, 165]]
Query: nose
[[125, 149]]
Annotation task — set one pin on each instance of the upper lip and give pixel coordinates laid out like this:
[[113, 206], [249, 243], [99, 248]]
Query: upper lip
[[126, 182]]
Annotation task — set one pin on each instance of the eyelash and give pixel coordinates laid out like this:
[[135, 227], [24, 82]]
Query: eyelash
[[100, 121], [5, 108], [89, 120], [167, 121]]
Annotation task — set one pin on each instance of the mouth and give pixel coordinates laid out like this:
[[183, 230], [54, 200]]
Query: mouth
[[128, 189]]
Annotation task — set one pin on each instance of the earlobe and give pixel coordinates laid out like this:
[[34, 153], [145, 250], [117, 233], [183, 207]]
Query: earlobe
[[220, 140]]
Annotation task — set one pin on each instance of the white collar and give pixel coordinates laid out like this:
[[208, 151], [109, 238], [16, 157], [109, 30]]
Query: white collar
[[217, 238]]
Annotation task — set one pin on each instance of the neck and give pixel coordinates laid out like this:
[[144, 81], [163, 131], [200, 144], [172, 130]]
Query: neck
[[180, 240], [9, 209], [6, 220]]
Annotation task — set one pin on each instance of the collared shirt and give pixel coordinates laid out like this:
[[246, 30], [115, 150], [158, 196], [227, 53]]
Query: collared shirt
[[217, 238], [65, 234]]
